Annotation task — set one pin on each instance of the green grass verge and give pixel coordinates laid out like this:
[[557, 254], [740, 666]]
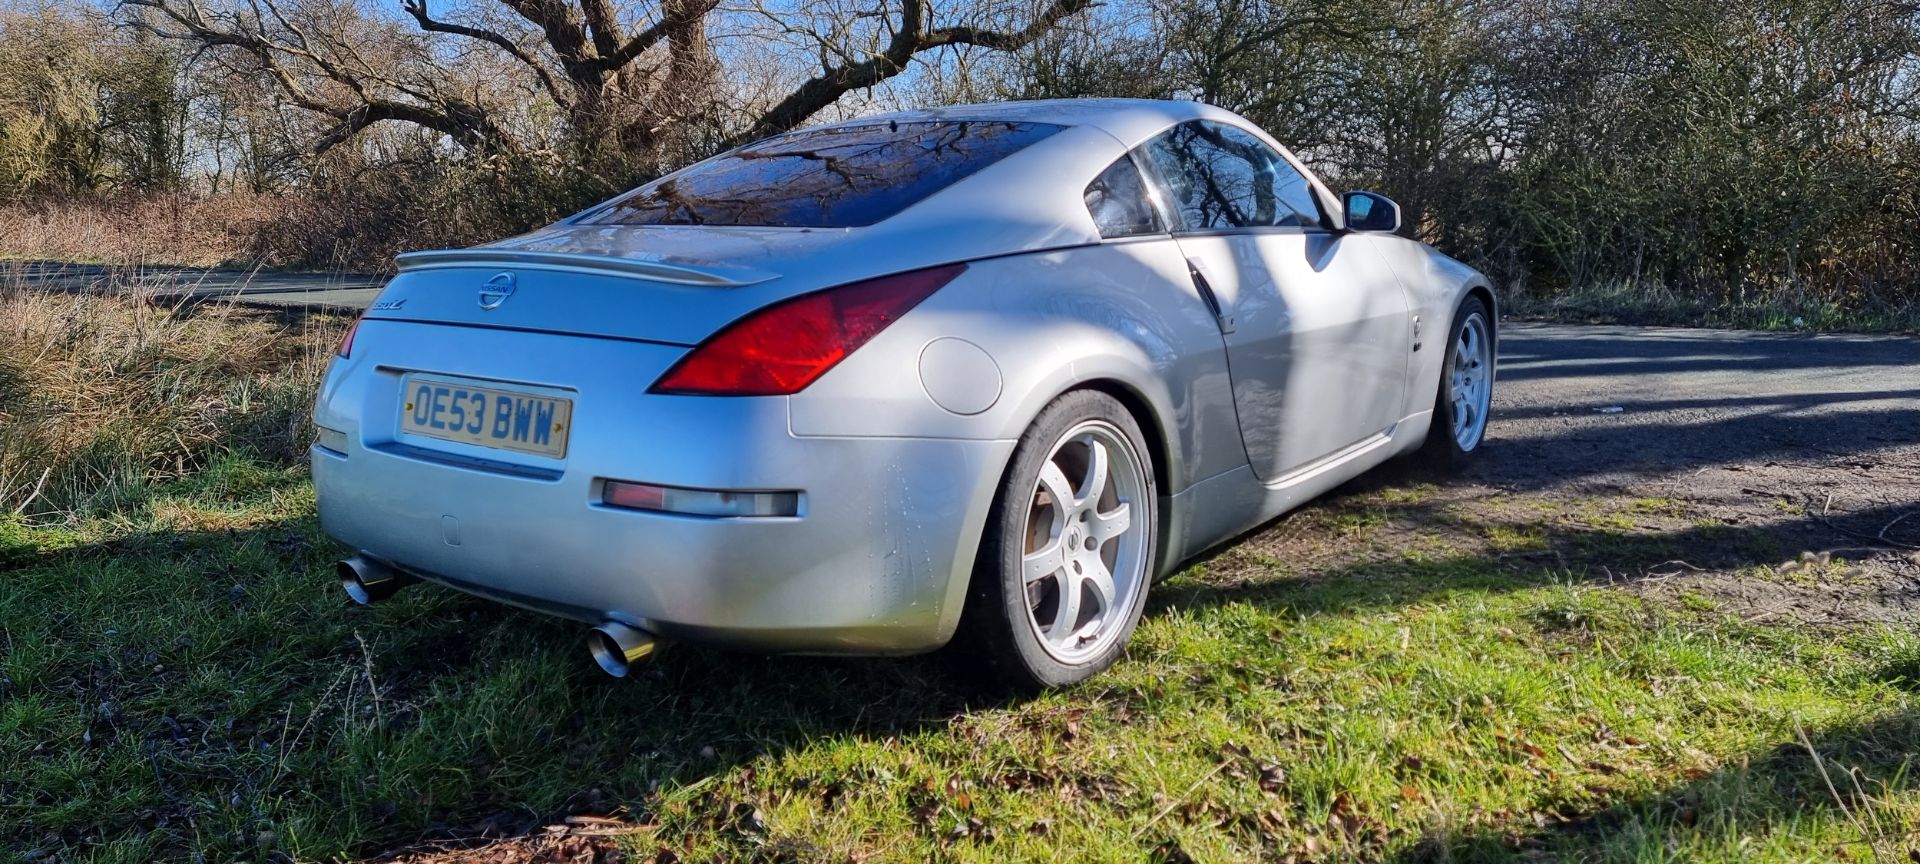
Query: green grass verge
[[184, 681]]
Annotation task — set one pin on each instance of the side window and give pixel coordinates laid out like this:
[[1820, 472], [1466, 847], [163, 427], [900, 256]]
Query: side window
[[1222, 177], [1118, 201]]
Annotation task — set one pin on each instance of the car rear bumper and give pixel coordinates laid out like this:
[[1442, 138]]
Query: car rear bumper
[[875, 561]]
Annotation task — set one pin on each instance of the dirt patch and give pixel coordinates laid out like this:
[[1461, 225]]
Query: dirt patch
[[1776, 478]]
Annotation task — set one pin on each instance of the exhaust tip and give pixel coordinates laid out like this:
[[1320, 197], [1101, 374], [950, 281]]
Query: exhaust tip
[[368, 581], [618, 647]]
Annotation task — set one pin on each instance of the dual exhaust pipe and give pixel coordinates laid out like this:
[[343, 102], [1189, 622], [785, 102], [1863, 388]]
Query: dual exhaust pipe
[[616, 648]]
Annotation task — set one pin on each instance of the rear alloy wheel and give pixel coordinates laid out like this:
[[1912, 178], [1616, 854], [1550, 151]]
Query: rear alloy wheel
[[1466, 388], [1069, 547]]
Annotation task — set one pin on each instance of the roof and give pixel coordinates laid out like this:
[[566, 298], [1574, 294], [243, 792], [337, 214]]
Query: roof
[[1129, 120]]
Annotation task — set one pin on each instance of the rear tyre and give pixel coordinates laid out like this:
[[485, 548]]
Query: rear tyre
[[1466, 389], [1068, 549]]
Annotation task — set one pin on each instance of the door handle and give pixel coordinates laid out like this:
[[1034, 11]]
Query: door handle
[[1197, 271]]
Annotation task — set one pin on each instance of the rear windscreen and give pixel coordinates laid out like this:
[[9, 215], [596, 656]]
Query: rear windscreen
[[842, 177]]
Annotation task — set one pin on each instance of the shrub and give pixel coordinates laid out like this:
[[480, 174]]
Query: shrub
[[143, 229]]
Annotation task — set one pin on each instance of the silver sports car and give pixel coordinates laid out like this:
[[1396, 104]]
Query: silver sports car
[[977, 373]]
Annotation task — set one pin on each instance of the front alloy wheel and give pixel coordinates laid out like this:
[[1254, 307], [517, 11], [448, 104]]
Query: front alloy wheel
[[1466, 388], [1068, 551], [1470, 384]]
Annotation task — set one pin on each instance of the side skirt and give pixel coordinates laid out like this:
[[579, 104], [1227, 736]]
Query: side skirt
[[1225, 506]]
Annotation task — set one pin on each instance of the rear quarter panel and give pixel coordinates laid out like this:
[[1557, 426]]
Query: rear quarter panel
[[1121, 312]]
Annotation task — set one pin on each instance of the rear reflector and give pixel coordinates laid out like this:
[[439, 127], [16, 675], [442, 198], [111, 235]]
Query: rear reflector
[[330, 439], [698, 502], [779, 350]]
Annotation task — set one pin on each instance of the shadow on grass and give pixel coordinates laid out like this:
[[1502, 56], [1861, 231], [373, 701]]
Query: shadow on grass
[[211, 692], [1562, 552], [1754, 795], [1846, 771]]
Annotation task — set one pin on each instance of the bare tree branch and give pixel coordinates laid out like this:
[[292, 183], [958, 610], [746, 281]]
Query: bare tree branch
[[679, 15], [463, 120], [910, 37], [603, 25], [418, 9], [580, 52]]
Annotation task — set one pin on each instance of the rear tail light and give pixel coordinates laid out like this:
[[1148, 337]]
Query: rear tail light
[[346, 342], [781, 349], [698, 502]]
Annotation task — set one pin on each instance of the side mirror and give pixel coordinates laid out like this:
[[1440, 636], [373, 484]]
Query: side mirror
[[1372, 211]]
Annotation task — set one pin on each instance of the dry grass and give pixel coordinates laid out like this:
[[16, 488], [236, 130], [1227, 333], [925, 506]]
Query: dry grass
[[1648, 304], [161, 229], [101, 397]]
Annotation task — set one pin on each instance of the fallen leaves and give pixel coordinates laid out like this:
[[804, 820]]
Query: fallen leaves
[[578, 839], [1346, 818], [1520, 746], [1272, 777]]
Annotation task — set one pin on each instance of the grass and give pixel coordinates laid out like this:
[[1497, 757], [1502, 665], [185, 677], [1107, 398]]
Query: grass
[[1384, 676], [99, 397], [1766, 309], [186, 680]]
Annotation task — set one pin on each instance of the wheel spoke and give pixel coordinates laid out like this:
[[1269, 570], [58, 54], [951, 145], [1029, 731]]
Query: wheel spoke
[[1054, 482], [1067, 609], [1473, 383], [1100, 580], [1096, 479], [1051, 559], [1111, 524]]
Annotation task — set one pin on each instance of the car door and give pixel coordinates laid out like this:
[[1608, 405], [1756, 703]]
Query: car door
[[1318, 329]]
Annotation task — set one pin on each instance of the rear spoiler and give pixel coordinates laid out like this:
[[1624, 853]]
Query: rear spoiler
[[656, 271]]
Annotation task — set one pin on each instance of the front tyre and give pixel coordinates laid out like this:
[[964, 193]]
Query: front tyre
[[1466, 389], [1068, 549]]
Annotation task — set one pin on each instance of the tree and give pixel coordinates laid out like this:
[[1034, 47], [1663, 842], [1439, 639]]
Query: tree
[[619, 75], [84, 110]]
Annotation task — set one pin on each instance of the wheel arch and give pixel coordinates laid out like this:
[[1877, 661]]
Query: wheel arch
[[1479, 289], [1161, 455], [1160, 458]]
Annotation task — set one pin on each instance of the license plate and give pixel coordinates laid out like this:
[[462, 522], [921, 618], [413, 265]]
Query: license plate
[[486, 416]]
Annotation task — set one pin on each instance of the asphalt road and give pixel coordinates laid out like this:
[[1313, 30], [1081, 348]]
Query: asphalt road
[[1578, 403], [252, 287]]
